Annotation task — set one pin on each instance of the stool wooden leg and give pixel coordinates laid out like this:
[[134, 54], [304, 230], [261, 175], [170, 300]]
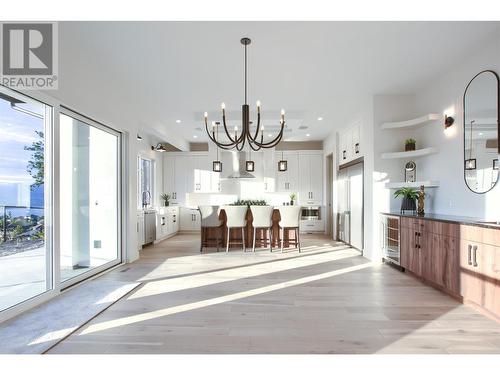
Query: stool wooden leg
[[282, 234], [227, 241], [271, 239], [243, 239], [254, 234], [201, 240], [298, 238]]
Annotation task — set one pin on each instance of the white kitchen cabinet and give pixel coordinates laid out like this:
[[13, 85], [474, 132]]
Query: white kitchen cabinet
[[288, 181], [310, 178], [350, 147], [269, 170], [311, 226], [189, 219], [167, 222], [172, 220], [140, 229]]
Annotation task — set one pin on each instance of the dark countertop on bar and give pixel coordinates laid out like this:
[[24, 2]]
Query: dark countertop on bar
[[449, 219]]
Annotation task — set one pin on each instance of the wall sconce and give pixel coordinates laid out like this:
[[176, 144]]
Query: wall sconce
[[159, 147], [217, 166], [448, 121]]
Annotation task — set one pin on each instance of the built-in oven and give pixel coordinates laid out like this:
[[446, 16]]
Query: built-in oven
[[310, 213]]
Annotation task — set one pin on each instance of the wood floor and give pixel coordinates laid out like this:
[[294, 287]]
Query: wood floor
[[327, 299]]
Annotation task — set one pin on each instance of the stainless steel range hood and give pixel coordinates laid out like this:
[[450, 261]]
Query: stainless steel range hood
[[238, 165]]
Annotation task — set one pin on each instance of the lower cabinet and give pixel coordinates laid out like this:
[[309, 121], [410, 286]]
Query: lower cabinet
[[167, 222], [455, 258], [190, 219]]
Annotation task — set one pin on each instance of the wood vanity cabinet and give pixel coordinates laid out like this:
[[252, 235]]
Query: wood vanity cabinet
[[463, 260]]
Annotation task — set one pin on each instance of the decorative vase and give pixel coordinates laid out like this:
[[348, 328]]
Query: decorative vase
[[167, 203], [410, 147], [291, 203], [408, 204]]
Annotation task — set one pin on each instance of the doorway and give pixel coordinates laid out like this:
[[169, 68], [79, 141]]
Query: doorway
[[351, 204]]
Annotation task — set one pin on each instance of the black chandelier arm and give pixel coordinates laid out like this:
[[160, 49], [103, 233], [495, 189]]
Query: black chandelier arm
[[236, 139], [254, 146], [225, 146], [273, 142]]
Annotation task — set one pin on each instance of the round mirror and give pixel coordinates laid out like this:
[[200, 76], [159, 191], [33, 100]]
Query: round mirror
[[481, 128]]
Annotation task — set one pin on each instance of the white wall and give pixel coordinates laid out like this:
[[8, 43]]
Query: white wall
[[446, 94]]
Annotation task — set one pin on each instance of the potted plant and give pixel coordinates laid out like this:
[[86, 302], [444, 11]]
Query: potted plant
[[166, 199], [409, 196], [293, 198], [410, 144]]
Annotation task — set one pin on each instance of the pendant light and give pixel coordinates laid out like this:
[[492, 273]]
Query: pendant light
[[217, 164], [282, 164]]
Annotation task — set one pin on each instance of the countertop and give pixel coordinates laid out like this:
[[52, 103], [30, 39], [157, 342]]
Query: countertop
[[450, 219]]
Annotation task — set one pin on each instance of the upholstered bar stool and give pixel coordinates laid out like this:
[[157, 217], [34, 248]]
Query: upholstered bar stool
[[210, 220], [289, 219], [236, 219], [262, 219]]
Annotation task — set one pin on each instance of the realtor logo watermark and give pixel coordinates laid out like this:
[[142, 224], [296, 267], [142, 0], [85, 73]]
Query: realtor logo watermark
[[28, 58]]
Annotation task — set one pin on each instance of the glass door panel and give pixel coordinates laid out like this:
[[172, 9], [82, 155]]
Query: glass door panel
[[25, 250], [89, 197]]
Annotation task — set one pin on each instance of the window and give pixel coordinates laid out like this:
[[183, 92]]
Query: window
[[25, 186], [145, 183]]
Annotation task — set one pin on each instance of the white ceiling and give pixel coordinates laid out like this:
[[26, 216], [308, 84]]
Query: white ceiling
[[157, 73]]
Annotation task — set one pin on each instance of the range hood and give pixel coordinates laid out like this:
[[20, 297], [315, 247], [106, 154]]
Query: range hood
[[237, 165]]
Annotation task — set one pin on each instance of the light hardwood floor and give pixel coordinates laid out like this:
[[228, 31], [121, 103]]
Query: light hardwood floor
[[327, 299]]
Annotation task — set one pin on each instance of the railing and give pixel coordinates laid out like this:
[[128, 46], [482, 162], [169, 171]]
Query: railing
[[19, 223]]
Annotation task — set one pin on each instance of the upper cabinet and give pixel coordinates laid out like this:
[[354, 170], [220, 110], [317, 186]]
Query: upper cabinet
[[189, 173], [310, 179], [481, 129], [350, 147]]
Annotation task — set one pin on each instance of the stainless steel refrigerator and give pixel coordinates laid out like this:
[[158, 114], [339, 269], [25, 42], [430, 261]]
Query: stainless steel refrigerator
[[350, 205]]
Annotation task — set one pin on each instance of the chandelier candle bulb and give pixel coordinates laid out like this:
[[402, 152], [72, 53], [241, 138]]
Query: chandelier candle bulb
[[205, 115], [223, 106]]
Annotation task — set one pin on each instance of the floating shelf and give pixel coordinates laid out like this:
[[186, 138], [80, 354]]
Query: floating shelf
[[410, 154], [414, 123], [417, 184]]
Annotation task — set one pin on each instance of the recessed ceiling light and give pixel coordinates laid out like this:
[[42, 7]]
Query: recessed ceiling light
[[269, 135], [320, 118], [195, 136], [178, 121], [308, 135], [480, 133]]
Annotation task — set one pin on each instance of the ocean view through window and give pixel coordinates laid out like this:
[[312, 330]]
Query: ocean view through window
[[25, 270]]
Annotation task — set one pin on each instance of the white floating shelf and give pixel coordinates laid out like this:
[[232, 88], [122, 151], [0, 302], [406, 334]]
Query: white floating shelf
[[414, 123], [398, 185], [410, 154]]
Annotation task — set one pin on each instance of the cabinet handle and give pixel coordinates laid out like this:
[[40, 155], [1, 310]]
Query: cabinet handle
[[474, 249], [344, 155], [356, 148], [265, 185], [469, 255], [416, 243]]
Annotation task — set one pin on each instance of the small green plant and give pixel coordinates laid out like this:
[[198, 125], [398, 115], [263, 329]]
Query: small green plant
[[406, 192], [293, 197], [166, 198], [410, 141]]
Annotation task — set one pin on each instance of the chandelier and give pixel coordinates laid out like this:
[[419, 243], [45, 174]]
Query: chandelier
[[254, 138]]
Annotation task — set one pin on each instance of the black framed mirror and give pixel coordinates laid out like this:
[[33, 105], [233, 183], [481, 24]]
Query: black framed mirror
[[481, 104]]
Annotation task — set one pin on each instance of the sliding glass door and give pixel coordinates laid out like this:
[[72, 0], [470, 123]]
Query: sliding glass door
[[89, 197], [25, 199]]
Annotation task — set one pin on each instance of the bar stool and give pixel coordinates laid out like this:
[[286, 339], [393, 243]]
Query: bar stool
[[289, 219], [210, 220], [236, 218], [262, 219]]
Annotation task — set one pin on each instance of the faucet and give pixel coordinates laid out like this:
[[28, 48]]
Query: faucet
[[146, 198]]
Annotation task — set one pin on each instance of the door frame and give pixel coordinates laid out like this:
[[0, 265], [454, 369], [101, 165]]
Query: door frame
[[120, 200]]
